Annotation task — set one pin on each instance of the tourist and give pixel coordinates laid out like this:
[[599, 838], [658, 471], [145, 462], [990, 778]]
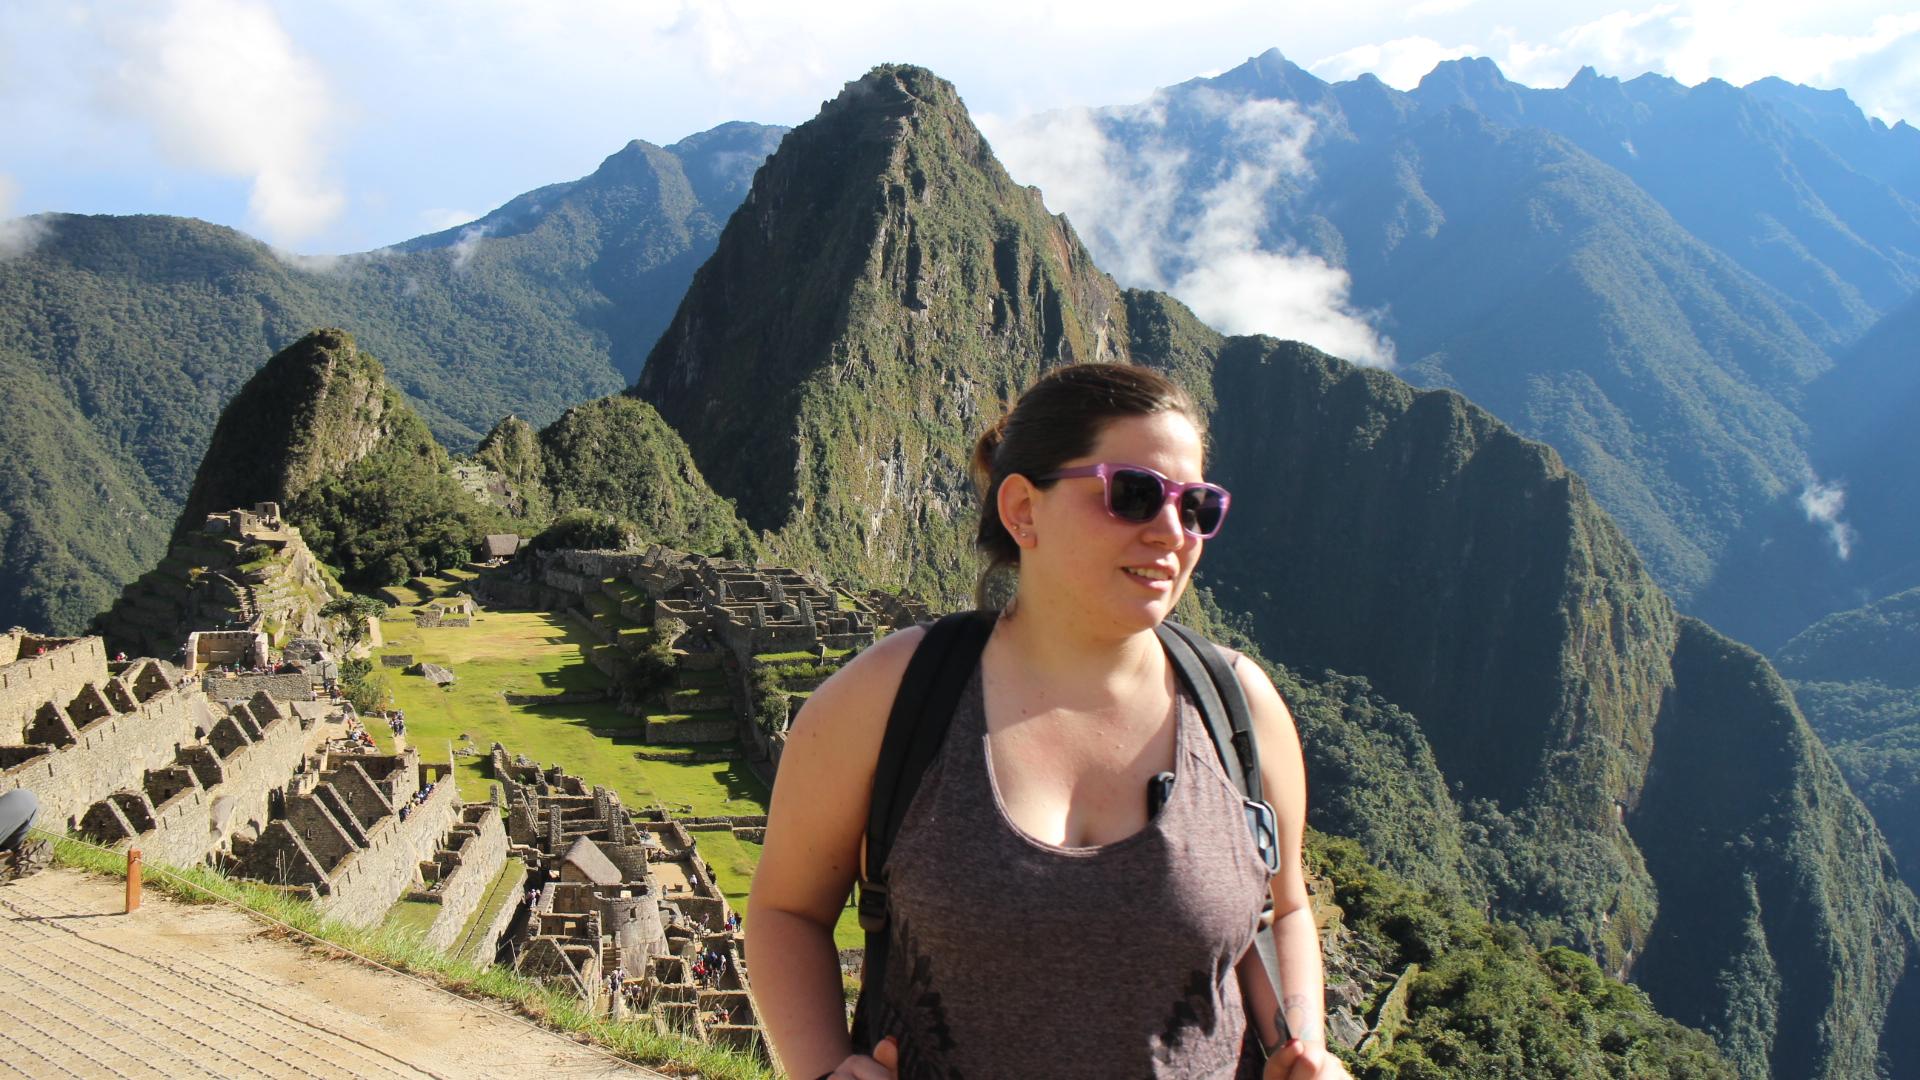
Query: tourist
[[1035, 803]]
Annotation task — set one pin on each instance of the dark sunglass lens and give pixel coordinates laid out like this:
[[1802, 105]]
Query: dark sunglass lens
[[1200, 510], [1135, 495]]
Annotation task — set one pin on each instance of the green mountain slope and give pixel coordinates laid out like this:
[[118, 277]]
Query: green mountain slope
[[1505, 261], [881, 290], [615, 455], [1864, 416], [1857, 675], [74, 521], [879, 198], [319, 431], [139, 329], [1842, 245]]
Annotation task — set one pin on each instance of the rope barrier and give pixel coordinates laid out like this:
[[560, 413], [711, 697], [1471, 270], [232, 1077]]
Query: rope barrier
[[52, 837]]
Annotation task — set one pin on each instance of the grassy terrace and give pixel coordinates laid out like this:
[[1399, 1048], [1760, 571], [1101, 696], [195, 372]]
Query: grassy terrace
[[503, 890], [535, 653]]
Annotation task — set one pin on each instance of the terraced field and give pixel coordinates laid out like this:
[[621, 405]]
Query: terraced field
[[537, 654]]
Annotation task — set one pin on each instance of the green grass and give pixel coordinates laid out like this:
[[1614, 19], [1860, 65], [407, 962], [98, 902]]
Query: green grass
[[788, 657], [537, 653], [400, 596], [411, 917], [398, 948], [628, 591], [701, 679], [503, 890]]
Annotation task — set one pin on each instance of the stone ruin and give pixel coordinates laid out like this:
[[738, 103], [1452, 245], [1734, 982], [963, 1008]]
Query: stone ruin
[[455, 610], [242, 570], [139, 754], [351, 835], [76, 731], [735, 614], [612, 891], [748, 609]]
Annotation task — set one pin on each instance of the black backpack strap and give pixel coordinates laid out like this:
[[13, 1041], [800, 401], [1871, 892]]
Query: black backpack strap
[[1203, 667], [1223, 704], [923, 709]]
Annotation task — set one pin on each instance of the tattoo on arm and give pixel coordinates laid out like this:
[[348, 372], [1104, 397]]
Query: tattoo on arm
[[1292, 1016]]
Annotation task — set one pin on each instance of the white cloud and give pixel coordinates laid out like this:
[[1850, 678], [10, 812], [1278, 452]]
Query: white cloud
[[1823, 503], [1431, 8], [223, 89], [18, 235], [465, 248], [440, 219], [1400, 63], [1152, 223], [1874, 56]]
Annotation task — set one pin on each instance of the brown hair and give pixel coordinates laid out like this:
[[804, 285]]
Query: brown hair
[[1058, 419]]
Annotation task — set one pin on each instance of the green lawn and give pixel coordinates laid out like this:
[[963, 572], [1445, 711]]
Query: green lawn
[[790, 657], [504, 889], [732, 862], [413, 917], [539, 653]]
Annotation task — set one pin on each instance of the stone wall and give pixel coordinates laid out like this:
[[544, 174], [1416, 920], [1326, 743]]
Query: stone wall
[[29, 681], [476, 862], [487, 945], [109, 752], [201, 818], [226, 648], [716, 730], [367, 882], [294, 686]]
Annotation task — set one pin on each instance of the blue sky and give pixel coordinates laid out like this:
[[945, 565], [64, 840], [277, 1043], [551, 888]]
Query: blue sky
[[327, 127]]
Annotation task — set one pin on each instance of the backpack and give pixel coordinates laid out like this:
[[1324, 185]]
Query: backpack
[[923, 709]]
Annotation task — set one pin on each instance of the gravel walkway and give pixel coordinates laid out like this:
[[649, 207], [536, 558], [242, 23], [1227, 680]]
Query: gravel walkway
[[185, 990]]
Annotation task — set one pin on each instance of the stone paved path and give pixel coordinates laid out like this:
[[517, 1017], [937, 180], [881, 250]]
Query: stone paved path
[[184, 990]]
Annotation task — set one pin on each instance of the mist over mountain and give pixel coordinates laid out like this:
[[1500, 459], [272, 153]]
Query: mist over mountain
[[1644, 275], [124, 337], [1512, 707]]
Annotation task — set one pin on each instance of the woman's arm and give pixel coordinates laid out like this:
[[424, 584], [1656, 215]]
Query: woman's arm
[[1296, 939], [815, 827]]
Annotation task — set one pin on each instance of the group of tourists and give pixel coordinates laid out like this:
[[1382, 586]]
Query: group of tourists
[[419, 796], [710, 966]]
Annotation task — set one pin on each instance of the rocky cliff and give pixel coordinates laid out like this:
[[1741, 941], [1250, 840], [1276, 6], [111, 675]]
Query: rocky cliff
[[884, 288]]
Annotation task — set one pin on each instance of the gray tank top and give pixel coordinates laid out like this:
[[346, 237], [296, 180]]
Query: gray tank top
[[1010, 957]]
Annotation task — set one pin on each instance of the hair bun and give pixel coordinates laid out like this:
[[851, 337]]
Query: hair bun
[[984, 449]]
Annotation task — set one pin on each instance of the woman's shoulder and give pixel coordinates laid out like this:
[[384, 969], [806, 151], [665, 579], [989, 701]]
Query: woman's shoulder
[[850, 709]]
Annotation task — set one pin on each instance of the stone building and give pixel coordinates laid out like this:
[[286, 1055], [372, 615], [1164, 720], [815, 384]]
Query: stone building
[[352, 833], [220, 787], [615, 891], [74, 729]]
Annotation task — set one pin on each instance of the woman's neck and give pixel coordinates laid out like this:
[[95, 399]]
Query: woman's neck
[[1050, 644]]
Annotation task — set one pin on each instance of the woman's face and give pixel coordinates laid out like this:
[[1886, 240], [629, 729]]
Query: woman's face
[[1120, 575]]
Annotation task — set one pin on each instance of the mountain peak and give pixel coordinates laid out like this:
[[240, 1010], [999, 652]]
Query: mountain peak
[[317, 406], [1477, 71], [882, 238], [1269, 75]]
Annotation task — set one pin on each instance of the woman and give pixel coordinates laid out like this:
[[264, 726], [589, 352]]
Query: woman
[[1043, 922]]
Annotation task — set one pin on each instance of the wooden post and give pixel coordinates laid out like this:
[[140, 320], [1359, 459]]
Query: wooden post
[[133, 880]]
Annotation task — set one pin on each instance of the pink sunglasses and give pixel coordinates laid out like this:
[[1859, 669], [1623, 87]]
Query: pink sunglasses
[[1136, 493]]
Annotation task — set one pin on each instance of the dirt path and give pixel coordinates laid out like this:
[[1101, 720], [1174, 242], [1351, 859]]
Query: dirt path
[[183, 990]]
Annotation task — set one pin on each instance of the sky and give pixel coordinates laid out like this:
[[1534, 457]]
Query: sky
[[332, 126]]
